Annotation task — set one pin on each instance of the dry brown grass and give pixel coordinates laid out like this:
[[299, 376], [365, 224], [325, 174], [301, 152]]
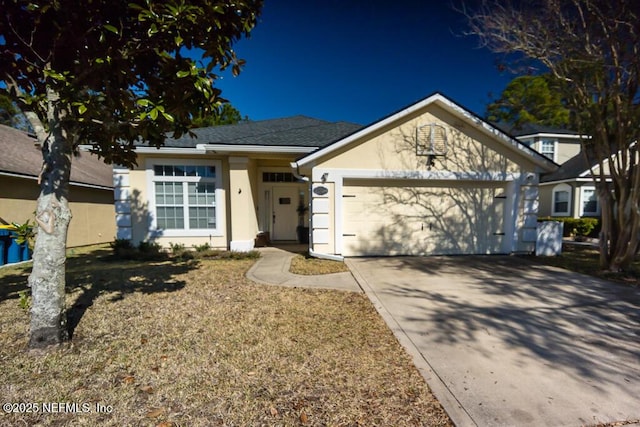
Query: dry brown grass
[[585, 259], [305, 265], [197, 344]]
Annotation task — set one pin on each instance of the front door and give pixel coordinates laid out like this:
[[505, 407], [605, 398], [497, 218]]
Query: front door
[[285, 215]]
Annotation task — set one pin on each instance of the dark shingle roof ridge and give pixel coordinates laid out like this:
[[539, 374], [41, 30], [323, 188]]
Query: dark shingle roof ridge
[[572, 168], [533, 128], [282, 119]]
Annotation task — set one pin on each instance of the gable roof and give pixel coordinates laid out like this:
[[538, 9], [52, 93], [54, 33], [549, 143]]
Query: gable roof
[[453, 108], [573, 168], [22, 157], [296, 131]]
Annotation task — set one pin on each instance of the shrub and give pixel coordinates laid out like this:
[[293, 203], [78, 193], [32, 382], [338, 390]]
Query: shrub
[[576, 227], [147, 247], [148, 250], [177, 248], [202, 248], [123, 248]]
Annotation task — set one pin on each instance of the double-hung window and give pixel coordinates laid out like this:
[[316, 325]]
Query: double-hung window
[[561, 200], [548, 148], [185, 197], [589, 202]]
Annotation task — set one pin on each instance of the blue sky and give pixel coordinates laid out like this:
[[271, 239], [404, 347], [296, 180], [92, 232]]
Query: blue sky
[[359, 60]]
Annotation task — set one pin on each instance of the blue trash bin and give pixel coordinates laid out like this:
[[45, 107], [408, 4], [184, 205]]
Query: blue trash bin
[[4, 245], [14, 252], [26, 252]]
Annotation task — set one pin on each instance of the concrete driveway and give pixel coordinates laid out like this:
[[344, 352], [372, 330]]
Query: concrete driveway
[[504, 341]]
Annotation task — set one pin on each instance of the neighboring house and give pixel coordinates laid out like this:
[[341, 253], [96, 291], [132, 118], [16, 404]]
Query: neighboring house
[[558, 144], [432, 178], [568, 191], [90, 192]]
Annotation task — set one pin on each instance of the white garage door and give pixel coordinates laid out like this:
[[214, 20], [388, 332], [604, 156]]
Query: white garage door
[[435, 218]]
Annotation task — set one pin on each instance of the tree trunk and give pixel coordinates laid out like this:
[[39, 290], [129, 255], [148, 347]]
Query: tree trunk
[[47, 279]]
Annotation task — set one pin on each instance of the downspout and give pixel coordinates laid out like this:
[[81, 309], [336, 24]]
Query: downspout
[[296, 172]]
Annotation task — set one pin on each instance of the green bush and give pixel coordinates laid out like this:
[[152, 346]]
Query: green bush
[[202, 248], [576, 227], [123, 248], [177, 248]]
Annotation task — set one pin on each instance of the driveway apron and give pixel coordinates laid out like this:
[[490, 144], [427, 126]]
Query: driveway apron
[[506, 341]]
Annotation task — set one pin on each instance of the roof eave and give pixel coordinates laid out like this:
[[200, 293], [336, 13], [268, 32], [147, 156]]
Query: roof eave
[[437, 98], [74, 183], [553, 135]]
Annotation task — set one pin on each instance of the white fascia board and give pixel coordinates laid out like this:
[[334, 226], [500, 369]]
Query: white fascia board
[[74, 183], [336, 175], [569, 180], [154, 150], [169, 150], [219, 148], [552, 135], [222, 148], [450, 106]]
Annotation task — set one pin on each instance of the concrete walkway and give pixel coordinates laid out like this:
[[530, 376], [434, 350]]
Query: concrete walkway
[[273, 269]]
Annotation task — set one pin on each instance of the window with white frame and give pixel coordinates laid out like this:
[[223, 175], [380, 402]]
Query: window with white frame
[[589, 202], [185, 196], [561, 199], [548, 148]]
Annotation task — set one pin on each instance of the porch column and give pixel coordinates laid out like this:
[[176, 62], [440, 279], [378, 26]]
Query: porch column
[[244, 222]]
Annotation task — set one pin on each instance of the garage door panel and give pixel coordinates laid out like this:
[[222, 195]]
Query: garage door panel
[[402, 220]]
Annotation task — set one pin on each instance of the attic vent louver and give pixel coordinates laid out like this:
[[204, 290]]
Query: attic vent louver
[[431, 140]]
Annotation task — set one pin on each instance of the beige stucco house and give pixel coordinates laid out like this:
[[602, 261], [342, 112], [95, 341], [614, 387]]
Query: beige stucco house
[[90, 193], [223, 187], [432, 178], [568, 191]]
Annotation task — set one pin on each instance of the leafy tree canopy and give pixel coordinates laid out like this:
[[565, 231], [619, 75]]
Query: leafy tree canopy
[[10, 114], [225, 114], [530, 99], [113, 74], [118, 71]]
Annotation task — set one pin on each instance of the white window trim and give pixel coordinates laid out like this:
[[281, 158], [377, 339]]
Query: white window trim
[[583, 198], [559, 188], [555, 147], [218, 231]]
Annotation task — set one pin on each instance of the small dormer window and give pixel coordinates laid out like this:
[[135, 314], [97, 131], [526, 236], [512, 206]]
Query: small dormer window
[[548, 148]]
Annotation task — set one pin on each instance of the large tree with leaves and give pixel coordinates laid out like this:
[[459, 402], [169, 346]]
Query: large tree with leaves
[[592, 49], [224, 114], [109, 73], [529, 99]]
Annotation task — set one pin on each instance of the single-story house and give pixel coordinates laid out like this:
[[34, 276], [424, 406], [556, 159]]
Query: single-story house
[[432, 178], [90, 192]]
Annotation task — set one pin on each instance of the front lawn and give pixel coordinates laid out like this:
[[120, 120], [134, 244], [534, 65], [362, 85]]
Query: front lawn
[[307, 265], [585, 259], [195, 343]]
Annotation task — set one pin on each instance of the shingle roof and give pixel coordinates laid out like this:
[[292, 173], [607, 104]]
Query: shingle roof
[[296, 131], [570, 169], [531, 129], [21, 155]]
